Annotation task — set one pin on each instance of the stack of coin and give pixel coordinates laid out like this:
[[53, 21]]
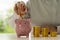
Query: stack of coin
[[36, 31], [44, 32], [53, 34]]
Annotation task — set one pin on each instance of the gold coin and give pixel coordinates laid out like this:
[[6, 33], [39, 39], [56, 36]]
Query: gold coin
[[36, 31], [45, 32], [53, 34]]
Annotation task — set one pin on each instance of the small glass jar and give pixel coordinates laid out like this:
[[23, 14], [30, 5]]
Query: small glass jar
[[36, 31]]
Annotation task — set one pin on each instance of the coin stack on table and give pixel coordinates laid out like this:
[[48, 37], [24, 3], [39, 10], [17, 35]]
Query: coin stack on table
[[53, 34], [36, 31], [44, 32]]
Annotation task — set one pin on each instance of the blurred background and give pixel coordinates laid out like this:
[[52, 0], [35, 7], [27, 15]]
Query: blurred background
[[6, 12]]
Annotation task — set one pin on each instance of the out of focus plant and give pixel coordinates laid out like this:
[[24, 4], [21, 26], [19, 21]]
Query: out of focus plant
[[4, 26], [8, 28], [1, 26]]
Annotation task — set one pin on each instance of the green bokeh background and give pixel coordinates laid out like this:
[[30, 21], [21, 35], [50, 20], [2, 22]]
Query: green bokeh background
[[4, 26]]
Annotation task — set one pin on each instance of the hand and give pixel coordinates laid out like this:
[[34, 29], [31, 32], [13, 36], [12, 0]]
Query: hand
[[20, 8], [23, 9]]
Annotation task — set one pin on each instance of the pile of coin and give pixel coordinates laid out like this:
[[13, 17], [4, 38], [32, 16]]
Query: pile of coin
[[36, 32]]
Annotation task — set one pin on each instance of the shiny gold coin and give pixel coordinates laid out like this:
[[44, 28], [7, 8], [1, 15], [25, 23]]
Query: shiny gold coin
[[44, 32], [36, 31], [53, 34]]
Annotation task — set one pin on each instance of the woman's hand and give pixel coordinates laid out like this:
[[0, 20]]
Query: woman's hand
[[20, 8]]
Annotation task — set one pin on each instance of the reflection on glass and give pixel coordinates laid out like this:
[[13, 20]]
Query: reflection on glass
[[54, 38], [45, 38], [36, 38]]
